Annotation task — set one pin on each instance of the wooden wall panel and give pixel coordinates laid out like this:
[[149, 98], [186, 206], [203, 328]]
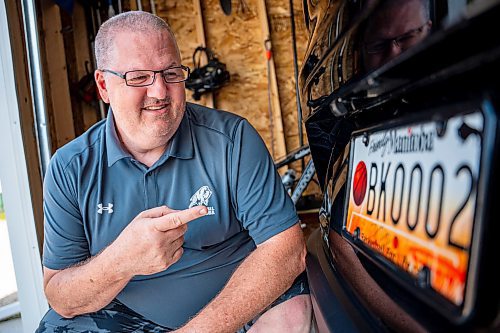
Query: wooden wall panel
[[181, 16], [84, 58], [235, 40], [55, 77], [238, 42], [278, 145], [281, 35]]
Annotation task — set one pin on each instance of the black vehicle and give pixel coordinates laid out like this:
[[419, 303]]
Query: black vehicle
[[401, 100]]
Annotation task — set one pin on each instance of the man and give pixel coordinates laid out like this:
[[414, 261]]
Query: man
[[121, 251], [393, 28]]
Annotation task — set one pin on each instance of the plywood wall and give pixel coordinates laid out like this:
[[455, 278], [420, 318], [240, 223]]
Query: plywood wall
[[238, 41], [183, 18], [281, 35]]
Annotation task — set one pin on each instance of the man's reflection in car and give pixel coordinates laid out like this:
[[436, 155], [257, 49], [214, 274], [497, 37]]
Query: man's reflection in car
[[396, 26]]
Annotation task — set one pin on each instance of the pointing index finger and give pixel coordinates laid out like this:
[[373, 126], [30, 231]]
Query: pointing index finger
[[178, 218]]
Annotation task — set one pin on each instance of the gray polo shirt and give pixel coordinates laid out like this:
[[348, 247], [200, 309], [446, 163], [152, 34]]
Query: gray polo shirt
[[94, 188]]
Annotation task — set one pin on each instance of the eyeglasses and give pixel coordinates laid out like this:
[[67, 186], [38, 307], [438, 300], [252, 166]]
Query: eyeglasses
[[144, 78], [403, 41]]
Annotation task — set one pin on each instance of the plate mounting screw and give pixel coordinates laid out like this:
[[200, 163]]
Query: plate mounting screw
[[357, 233], [424, 277], [365, 139]]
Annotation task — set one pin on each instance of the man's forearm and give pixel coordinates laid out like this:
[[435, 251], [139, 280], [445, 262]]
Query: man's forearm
[[149, 244], [87, 287], [261, 278]]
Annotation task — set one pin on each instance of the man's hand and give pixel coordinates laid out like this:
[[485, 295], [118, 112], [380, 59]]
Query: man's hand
[[149, 244], [153, 240]]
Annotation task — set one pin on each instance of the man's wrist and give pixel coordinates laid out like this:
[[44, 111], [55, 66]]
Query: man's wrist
[[114, 264]]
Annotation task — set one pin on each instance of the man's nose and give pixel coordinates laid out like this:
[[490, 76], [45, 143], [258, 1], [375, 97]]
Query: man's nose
[[394, 49], [159, 88]]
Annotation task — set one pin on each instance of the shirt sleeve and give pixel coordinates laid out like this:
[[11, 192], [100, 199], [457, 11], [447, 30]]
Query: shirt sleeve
[[65, 243], [260, 200]]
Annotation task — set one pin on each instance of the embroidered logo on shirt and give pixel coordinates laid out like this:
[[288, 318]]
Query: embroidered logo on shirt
[[101, 208], [200, 198]]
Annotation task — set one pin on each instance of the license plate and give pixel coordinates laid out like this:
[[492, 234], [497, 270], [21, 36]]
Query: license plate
[[412, 199]]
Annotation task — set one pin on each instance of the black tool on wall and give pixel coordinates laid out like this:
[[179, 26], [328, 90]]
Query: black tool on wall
[[296, 73], [208, 78], [226, 6]]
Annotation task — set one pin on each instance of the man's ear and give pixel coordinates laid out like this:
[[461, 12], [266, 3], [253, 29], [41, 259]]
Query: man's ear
[[101, 85]]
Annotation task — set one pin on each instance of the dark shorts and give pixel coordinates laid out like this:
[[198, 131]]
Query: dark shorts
[[116, 317]]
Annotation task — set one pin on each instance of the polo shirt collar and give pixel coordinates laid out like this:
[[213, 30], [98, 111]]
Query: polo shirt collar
[[114, 148], [181, 145], [182, 141]]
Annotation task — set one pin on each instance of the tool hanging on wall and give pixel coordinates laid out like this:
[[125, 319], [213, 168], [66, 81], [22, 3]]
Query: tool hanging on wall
[[86, 90], [206, 78], [93, 14], [243, 7], [111, 10], [296, 72], [96, 12], [66, 5], [153, 6], [226, 6], [267, 46]]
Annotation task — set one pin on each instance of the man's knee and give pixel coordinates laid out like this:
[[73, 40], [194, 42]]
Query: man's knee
[[115, 317], [52, 322], [97, 322], [293, 315]]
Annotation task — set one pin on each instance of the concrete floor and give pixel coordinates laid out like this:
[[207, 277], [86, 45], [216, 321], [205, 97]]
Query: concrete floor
[[13, 325]]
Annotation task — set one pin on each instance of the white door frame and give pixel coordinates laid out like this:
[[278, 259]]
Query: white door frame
[[16, 192]]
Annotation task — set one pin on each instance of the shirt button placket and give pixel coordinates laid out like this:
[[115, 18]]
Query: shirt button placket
[[150, 189]]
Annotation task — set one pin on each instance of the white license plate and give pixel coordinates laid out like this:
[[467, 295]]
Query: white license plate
[[412, 198]]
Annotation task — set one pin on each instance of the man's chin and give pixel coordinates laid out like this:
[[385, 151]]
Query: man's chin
[[164, 124], [163, 128]]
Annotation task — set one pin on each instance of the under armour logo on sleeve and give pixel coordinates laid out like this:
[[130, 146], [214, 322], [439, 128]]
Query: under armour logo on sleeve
[[108, 208]]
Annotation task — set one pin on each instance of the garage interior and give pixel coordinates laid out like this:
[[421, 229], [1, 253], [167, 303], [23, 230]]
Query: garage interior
[[238, 40], [255, 40]]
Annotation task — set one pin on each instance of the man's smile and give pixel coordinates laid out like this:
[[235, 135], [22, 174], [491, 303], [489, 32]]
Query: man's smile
[[157, 107]]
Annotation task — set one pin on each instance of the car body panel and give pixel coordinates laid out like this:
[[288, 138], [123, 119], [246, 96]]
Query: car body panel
[[443, 64]]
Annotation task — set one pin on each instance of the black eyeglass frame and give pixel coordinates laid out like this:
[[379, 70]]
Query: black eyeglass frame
[[124, 75], [378, 47]]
